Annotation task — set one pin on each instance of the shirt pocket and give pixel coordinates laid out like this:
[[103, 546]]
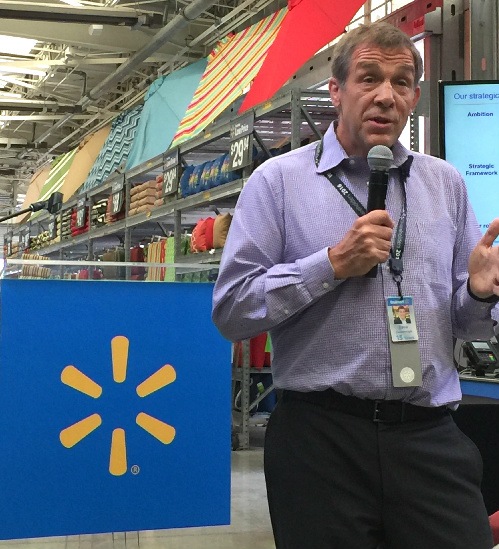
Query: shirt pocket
[[437, 240]]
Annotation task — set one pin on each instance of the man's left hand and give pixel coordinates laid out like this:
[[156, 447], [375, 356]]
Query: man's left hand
[[483, 265]]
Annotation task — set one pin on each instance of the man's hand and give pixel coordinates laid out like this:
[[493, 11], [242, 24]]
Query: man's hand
[[483, 265], [365, 245]]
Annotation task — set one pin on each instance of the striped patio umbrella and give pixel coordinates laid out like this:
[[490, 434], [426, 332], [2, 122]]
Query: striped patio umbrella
[[232, 65], [58, 172], [114, 153], [308, 26]]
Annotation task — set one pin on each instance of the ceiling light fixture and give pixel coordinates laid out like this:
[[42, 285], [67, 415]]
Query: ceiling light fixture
[[73, 3]]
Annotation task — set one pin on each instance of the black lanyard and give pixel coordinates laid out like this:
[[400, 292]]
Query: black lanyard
[[397, 250]]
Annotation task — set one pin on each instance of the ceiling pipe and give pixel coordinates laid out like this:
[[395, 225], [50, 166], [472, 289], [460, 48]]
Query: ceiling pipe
[[186, 16]]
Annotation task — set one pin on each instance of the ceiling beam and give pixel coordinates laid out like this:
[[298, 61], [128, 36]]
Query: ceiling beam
[[37, 105], [55, 13], [112, 39]]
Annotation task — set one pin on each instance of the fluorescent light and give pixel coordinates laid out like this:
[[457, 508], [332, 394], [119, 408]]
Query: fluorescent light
[[16, 44], [10, 95], [73, 3], [21, 70]]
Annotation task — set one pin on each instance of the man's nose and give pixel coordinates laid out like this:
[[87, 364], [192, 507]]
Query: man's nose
[[384, 94]]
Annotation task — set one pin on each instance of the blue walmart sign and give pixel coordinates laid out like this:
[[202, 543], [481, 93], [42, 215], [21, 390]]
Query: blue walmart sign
[[115, 408]]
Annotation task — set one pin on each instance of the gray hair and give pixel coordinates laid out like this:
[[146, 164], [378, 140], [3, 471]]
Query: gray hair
[[380, 34]]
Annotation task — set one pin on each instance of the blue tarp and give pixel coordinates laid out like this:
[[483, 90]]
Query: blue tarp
[[165, 105]]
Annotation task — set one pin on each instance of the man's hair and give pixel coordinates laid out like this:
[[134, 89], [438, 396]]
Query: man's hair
[[379, 34]]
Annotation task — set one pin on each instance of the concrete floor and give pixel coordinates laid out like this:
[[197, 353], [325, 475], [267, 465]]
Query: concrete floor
[[249, 529]]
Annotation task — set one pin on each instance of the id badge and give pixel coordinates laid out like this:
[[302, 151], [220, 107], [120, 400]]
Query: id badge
[[401, 319], [403, 340]]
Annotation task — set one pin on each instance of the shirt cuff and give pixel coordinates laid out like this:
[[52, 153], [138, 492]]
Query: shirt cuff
[[491, 299]]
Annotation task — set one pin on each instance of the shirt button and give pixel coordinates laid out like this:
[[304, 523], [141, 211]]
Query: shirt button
[[286, 311], [325, 285], [351, 161]]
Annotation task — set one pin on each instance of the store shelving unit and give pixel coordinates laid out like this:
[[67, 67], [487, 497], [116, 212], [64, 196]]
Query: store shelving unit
[[291, 118]]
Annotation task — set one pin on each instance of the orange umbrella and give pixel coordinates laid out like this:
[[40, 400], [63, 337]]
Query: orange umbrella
[[308, 26], [83, 161], [33, 191]]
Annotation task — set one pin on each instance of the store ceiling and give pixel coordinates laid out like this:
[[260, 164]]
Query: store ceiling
[[92, 60]]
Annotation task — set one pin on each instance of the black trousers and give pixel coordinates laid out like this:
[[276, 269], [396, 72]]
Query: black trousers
[[336, 481]]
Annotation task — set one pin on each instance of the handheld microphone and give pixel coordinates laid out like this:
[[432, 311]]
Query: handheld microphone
[[380, 159]]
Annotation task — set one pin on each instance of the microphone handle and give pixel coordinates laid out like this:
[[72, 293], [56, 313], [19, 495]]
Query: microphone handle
[[376, 200], [378, 185]]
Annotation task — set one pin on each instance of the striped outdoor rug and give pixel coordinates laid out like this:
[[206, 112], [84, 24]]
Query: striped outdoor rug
[[232, 65]]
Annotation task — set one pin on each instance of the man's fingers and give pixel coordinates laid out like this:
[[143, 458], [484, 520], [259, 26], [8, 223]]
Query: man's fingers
[[378, 217], [491, 234]]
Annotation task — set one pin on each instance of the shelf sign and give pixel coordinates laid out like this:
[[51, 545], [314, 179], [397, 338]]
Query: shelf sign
[[241, 142], [8, 243], [171, 162], [24, 239], [52, 228], [117, 196], [81, 213]]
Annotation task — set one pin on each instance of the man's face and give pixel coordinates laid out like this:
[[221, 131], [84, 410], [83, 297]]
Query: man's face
[[376, 100]]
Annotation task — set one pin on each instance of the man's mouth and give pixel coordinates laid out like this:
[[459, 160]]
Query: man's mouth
[[380, 120]]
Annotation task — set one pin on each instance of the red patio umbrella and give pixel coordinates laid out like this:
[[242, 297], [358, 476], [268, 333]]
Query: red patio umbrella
[[308, 26]]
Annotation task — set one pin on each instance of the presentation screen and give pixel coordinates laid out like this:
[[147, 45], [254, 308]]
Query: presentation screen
[[469, 140]]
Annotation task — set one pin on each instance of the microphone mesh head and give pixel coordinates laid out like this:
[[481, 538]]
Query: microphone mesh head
[[380, 158]]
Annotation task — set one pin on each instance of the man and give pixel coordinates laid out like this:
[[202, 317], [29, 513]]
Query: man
[[361, 451]]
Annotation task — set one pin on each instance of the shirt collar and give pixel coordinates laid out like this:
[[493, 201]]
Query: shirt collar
[[333, 153]]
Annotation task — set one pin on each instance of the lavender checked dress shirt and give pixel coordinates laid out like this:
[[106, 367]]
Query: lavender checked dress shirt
[[275, 275]]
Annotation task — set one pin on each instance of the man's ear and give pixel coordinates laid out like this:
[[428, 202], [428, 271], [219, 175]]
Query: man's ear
[[334, 89], [417, 95]]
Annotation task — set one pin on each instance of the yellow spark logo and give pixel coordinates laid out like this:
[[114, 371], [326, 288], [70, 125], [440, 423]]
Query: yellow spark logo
[[74, 378]]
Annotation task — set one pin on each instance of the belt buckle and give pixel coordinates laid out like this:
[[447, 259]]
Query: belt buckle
[[380, 406], [377, 411]]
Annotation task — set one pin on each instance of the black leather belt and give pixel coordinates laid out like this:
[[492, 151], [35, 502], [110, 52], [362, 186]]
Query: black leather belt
[[378, 411]]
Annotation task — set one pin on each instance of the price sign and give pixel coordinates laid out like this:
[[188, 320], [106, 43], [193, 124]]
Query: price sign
[[52, 229], [81, 213], [117, 196], [24, 239], [8, 243], [171, 163], [241, 142]]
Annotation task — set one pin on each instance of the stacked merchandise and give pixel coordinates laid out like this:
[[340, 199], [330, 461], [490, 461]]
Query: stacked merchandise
[[15, 249], [75, 231], [137, 256], [143, 197], [260, 352], [195, 179], [111, 272], [159, 192], [44, 238], [210, 233], [162, 251], [110, 217], [34, 271], [98, 213], [66, 224], [84, 274], [40, 241]]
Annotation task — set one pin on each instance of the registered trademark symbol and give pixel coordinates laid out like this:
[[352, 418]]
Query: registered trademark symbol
[[135, 469]]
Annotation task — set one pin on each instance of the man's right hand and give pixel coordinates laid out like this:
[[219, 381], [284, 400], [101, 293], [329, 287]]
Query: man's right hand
[[366, 244]]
